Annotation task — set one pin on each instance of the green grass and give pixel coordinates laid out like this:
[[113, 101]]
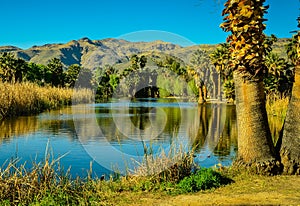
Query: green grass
[[203, 179]]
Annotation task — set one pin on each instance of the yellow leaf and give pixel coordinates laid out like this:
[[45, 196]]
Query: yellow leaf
[[246, 11]]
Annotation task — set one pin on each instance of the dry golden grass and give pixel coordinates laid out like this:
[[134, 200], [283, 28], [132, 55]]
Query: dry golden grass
[[28, 98], [277, 106], [170, 166]]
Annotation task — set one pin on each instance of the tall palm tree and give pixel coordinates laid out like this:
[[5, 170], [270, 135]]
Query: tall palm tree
[[201, 69], [220, 59], [244, 19], [290, 143]]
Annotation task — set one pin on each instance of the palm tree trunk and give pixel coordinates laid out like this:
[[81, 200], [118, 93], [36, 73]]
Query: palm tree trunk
[[201, 99], [205, 92], [255, 145], [290, 146], [219, 88]]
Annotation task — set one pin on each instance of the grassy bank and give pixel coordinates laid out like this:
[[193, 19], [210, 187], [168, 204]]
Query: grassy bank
[[47, 184], [28, 98], [245, 190]]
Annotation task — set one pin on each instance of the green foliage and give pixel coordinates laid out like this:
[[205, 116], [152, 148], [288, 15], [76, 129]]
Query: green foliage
[[11, 68], [57, 76], [292, 49], [72, 75], [192, 88], [107, 79], [38, 73], [229, 89], [202, 179], [280, 77]]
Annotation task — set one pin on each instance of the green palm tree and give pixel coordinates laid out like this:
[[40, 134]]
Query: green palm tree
[[220, 59], [200, 70], [280, 77], [244, 19]]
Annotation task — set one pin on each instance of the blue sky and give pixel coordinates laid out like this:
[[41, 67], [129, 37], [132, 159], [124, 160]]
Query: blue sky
[[25, 23]]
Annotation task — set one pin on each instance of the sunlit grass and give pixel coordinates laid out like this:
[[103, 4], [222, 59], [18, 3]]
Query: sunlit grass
[[28, 98], [276, 109], [277, 106]]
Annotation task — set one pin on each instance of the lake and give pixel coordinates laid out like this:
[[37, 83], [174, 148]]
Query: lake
[[116, 135]]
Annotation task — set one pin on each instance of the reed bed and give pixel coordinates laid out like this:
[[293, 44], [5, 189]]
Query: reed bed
[[27, 98], [171, 166]]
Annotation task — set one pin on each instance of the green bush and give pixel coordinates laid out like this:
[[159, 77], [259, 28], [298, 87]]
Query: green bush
[[203, 179]]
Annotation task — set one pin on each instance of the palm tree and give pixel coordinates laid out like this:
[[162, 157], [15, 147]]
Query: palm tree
[[280, 77], [244, 19], [290, 143], [220, 59], [200, 70]]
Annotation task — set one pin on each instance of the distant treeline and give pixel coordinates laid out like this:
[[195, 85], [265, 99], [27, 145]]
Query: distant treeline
[[206, 76]]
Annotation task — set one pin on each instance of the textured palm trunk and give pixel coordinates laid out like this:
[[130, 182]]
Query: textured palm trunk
[[219, 88], [205, 93], [290, 147], [201, 99], [255, 145]]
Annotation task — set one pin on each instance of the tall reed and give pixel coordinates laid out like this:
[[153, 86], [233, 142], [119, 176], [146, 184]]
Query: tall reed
[[170, 166], [27, 98]]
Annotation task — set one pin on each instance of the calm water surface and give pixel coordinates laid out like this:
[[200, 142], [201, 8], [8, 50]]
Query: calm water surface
[[118, 133]]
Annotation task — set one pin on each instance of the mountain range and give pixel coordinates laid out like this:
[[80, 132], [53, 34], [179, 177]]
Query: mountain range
[[97, 53]]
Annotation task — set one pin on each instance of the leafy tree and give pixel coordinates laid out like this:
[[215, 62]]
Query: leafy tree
[[108, 79], [132, 75], [37, 73], [33, 73], [56, 67], [244, 19], [71, 75]]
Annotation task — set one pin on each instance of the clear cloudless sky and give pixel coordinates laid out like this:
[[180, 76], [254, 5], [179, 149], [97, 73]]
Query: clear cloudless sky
[[25, 23]]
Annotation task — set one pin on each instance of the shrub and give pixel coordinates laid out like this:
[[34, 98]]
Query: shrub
[[203, 179]]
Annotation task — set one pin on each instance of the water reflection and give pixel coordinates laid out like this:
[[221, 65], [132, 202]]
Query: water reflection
[[18, 126], [107, 131]]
